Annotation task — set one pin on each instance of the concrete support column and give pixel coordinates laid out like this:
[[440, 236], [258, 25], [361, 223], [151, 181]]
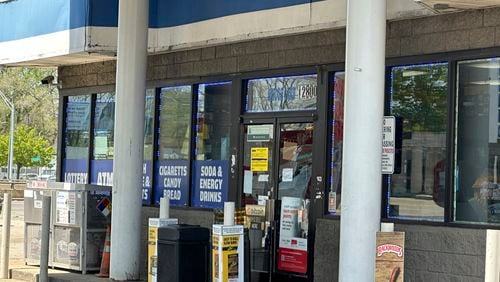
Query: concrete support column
[[363, 117], [129, 139]]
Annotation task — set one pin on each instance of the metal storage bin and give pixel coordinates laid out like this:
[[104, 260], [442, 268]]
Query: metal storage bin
[[78, 221]]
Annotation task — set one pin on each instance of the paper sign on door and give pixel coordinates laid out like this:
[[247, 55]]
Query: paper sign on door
[[259, 159]]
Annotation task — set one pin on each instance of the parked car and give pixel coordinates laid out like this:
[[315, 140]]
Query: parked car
[[47, 177], [29, 176]]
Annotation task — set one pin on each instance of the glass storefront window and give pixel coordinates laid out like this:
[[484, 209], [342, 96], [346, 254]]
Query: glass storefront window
[[337, 130], [76, 139], [102, 159], [174, 136], [213, 124], [213, 121], [104, 121], [419, 97], [147, 166], [289, 93], [175, 123], [477, 193]]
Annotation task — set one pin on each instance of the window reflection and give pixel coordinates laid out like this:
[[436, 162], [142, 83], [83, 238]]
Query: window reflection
[[76, 139], [289, 93], [76, 135], [295, 166], [477, 156], [213, 121], [337, 129], [147, 165], [175, 123], [419, 97], [104, 126], [148, 123]]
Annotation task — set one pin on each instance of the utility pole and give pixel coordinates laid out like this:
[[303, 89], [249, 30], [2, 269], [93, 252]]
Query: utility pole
[[10, 105]]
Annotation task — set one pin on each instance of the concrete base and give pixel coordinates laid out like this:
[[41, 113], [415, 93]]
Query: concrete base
[[432, 253], [30, 273]]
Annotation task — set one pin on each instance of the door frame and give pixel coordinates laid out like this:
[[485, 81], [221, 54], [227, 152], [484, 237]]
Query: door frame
[[318, 170]]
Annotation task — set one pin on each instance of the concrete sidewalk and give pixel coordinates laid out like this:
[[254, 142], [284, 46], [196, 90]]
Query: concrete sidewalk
[[30, 273]]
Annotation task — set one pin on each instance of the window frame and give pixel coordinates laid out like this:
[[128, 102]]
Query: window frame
[[239, 91], [452, 58], [387, 111], [61, 154], [483, 55]]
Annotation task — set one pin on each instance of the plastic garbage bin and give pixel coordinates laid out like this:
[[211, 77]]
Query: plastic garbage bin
[[183, 253]]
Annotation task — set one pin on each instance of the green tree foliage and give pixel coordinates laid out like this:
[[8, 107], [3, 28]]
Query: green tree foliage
[[4, 149], [30, 149], [36, 104], [419, 96]]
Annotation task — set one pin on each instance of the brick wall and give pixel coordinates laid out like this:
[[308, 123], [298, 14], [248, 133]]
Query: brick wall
[[443, 253], [432, 253], [326, 250], [443, 33]]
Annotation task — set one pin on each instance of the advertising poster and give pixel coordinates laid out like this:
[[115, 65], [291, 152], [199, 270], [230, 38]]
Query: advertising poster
[[172, 181], [210, 185], [292, 251], [101, 146], [227, 253], [75, 171], [101, 172], [390, 257], [147, 177], [77, 115], [259, 159], [62, 251], [154, 224], [65, 207]]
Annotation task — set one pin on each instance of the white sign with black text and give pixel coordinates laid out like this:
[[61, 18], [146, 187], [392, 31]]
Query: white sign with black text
[[388, 144]]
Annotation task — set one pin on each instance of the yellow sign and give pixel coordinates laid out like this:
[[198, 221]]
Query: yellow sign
[[260, 153], [154, 224], [255, 210], [259, 159]]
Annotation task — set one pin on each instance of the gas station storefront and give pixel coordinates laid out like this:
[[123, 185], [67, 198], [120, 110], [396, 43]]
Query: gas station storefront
[[285, 122], [270, 176]]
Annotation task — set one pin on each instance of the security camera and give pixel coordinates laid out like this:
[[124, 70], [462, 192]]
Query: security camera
[[47, 80]]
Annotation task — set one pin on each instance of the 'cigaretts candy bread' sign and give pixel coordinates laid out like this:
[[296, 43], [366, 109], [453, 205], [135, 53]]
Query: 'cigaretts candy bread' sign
[[390, 257]]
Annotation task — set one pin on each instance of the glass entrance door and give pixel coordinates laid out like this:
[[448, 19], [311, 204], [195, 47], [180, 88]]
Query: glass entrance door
[[277, 170]]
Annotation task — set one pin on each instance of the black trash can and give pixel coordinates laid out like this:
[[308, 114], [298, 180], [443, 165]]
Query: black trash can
[[183, 253]]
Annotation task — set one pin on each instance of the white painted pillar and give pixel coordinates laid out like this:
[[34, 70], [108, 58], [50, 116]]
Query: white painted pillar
[[363, 116], [492, 260], [129, 139], [6, 219]]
